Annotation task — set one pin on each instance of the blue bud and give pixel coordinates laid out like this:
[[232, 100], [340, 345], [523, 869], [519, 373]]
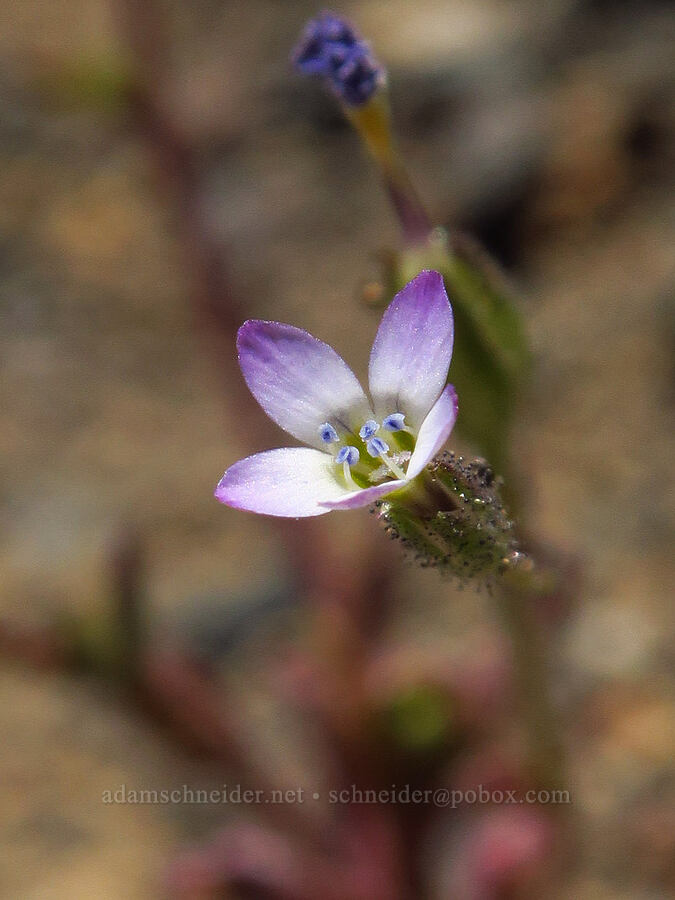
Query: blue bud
[[394, 422], [331, 49], [350, 455], [357, 78], [368, 429]]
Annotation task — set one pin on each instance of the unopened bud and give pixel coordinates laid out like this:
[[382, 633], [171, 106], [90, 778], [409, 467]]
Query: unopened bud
[[331, 49]]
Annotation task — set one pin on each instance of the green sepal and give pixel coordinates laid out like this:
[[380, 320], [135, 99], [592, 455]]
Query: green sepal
[[451, 517]]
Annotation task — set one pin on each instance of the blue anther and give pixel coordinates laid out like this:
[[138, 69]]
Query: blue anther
[[328, 434], [368, 429], [377, 447], [394, 422], [350, 455]]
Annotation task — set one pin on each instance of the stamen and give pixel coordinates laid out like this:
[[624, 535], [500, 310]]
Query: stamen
[[394, 422], [377, 447], [328, 434], [348, 456], [368, 429]]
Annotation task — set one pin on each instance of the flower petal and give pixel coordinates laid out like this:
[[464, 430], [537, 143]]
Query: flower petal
[[363, 497], [290, 481], [299, 381], [434, 432], [412, 350]]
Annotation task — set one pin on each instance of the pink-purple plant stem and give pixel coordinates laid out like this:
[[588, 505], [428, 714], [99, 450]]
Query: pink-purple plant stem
[[516, 604]]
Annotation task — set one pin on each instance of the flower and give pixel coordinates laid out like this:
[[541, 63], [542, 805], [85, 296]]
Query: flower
[[331, 49], [358, 451]]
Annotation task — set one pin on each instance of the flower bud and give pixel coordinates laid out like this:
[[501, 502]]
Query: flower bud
[[451, 517], [331, 49]]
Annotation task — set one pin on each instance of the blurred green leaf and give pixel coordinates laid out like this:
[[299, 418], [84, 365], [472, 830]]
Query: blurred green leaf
[[419, 718], [88, 82]]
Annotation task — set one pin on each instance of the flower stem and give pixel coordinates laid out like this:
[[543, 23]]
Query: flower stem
[[372, 121]]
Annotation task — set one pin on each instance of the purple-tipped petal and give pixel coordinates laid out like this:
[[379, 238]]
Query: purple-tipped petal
[[434, 432], [363, 497], [412, 350], [290, 481], [299, 381]]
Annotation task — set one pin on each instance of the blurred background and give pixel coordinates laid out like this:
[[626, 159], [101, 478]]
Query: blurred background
[[547, 131]]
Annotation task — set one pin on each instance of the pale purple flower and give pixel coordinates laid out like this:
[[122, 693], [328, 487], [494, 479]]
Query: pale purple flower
[[358, 450]]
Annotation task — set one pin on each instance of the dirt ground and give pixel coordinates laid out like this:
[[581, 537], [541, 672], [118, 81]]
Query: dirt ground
[[546, 129]]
